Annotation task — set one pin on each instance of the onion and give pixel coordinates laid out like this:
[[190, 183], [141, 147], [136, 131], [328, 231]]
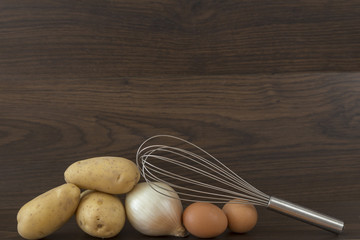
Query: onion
[[153, 214]]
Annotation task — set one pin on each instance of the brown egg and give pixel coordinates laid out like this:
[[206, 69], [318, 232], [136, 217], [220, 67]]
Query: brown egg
[[204, 220], [242, 217]]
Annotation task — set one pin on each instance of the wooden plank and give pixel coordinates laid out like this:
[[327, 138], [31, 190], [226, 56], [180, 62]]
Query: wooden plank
[[270, 88], [123, 38]]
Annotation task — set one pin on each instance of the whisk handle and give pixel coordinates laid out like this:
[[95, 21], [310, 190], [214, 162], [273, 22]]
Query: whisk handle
[[306, 215]]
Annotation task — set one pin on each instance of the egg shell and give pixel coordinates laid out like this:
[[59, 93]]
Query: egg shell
[[204, 220], [241, 217]]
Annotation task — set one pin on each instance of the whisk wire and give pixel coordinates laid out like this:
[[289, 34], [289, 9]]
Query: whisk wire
[[217, 171], [206, 195], [227, 172], [200, 171]]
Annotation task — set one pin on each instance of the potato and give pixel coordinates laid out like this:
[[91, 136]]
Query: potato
[[100, 214], [114, 175], [46, 213]]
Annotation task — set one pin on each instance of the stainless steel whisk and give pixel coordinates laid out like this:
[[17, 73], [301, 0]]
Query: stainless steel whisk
[[198, 176]]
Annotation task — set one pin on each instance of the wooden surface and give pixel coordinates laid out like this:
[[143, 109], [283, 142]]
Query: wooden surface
[[270, 88]]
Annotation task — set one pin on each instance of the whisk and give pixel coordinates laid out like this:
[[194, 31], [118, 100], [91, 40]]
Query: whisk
[[198, 176]]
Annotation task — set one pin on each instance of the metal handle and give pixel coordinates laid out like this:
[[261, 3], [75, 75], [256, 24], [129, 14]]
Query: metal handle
[[306, 215]]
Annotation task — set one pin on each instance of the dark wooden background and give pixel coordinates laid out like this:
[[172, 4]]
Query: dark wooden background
[[272, 88]]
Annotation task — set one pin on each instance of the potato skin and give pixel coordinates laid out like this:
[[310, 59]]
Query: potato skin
[[114, 175], [47, 212], [100, 214]]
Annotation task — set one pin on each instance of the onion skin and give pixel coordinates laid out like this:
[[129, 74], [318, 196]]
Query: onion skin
[[152, 213]]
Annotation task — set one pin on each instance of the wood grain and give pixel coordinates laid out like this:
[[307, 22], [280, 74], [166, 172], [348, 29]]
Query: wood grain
[[291, 135], [61, 39], [270, 88]]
